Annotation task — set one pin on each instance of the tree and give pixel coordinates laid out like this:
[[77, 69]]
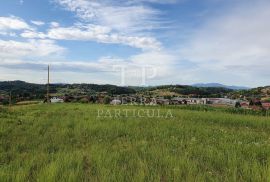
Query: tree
[[237, 105], [107, 100]]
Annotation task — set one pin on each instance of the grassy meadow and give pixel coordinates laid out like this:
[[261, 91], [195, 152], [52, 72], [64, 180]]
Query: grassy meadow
[[68, 142]]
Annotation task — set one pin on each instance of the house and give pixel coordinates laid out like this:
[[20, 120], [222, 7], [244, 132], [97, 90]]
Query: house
[[161, 101], [221, 101], [176, 101], [179, 101], [115, 102], [255, 102], [244, 104], [56, 100], [266, 105], [196, 101], [103, 94], [213, 101]]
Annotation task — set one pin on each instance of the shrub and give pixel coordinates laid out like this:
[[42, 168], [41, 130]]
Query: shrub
[[107, 100], [84, 100]]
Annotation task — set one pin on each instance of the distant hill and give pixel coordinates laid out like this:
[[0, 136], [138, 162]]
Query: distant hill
[[260, 92], [186, 90], [21, 89], [31, 91], [220, 86], [38, 91]]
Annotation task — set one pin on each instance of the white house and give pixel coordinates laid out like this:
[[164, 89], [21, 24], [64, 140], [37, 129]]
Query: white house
[[115, 102], [56, 100], [222, 101]]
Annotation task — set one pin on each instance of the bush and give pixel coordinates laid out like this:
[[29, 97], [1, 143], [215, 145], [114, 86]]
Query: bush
[[84, 100], [107, 100], [5, 102]]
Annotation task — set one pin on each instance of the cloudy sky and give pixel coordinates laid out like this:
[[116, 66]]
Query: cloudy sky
[[163, 41]]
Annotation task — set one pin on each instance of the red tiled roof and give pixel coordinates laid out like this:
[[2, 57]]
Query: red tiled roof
[[266, 104], [244, 104]]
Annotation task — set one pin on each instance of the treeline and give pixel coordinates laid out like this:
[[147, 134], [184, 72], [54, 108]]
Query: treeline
[[22, 89], [30, 91], [259, 92], [196, 91], [91, 88]]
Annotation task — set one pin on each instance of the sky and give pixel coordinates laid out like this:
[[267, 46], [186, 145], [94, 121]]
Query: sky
[[136, 42]]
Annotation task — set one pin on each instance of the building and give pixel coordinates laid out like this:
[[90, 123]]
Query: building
[[193, 101], [162, 101], [190, 101], [221, 101], [115, 102], [244, 104], [56, 100], [266, 105]]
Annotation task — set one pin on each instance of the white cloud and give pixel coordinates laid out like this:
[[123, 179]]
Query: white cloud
[[154, 1], [94, 33], [123, 16], [232, 47], [102, 69], [38, 23], [33, 34], [235, 46], [13, 23], [54, 24], [11, 34], [30, 49], [130, 22]]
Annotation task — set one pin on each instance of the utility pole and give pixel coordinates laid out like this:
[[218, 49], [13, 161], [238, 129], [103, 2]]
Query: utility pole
[[10, 99], [48, 86]]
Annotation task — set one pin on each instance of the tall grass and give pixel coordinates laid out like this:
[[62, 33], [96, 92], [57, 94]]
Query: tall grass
[[68, 142]]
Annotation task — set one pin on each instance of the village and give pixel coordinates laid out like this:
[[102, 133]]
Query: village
[[103, 98], [21, 93]]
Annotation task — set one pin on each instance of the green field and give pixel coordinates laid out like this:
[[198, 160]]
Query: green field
[[68, 142]]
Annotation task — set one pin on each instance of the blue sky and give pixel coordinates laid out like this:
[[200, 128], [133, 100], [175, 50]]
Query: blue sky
[[155, 42]]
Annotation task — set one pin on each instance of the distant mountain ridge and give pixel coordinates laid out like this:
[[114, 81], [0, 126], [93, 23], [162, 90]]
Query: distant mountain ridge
[[22, 89], [220, 85]]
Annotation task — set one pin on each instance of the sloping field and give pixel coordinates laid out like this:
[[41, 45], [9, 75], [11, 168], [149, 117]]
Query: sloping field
[[68, 142]]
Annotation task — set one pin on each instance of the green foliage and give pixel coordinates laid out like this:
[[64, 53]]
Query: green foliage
[[107, 100], [68, 142], [252, 93], [84, 100], [237, 105], [5, 102], [29, 91], [23, 89], [189, 90]]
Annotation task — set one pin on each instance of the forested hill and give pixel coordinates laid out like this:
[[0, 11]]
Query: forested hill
[[38, 91], [259, 92], [22, 89], [186, 90]]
